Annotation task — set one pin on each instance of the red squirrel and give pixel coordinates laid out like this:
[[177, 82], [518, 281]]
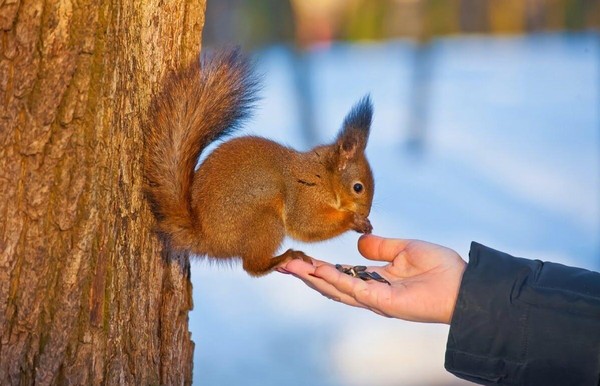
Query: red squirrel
[[250, 192]]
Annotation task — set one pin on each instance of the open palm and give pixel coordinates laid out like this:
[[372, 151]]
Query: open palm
[[424, 279]]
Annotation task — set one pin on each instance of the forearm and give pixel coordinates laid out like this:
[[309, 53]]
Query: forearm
[[520, 321]]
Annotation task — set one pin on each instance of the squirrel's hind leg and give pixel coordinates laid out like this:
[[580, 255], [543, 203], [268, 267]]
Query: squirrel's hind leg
[[264, 237]]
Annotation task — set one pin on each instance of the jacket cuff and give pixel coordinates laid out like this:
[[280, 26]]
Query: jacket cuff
[[485, 315]]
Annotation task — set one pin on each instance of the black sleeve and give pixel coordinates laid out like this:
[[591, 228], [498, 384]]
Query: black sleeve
[[525, 322]]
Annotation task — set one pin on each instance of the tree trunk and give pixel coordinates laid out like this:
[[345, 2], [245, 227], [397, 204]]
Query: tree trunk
[[86, 296]]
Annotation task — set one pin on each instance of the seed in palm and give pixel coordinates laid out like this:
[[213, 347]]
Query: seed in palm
[[360, 271]]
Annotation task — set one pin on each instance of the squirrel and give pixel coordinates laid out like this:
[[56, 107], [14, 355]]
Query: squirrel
[[250, 192]]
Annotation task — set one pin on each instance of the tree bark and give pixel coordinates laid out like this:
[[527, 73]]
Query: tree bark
[[86, 294]]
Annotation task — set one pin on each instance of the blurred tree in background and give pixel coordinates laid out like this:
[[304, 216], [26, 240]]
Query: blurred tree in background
[[303, 22], [250, 23]]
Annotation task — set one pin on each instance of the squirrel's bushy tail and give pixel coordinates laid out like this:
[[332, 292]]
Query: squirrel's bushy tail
[[197, 106]]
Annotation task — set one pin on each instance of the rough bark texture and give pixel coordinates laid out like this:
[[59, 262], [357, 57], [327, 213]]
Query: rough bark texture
[[85, 295]]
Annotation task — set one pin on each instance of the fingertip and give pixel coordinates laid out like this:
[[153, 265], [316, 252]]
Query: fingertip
[[369, 236], [368, 245], [298, 267], [318, 263], [319, 269], [326, 272], [380, 248]]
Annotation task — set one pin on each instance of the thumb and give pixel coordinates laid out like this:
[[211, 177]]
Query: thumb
[[380, 248]]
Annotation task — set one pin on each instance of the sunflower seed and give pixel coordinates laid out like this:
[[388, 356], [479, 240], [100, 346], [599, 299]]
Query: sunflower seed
[[378, 277], [360, 271]]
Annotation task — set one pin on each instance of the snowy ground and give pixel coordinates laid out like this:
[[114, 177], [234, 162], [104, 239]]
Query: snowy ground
[[511, 160]]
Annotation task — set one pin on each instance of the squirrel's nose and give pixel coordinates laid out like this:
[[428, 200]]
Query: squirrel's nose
[[363, 225]]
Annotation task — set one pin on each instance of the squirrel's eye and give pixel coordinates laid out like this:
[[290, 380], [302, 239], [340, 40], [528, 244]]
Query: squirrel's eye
[[358, 187]]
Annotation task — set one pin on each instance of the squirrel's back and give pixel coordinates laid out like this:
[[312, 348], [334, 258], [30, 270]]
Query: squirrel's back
[[197, 106]]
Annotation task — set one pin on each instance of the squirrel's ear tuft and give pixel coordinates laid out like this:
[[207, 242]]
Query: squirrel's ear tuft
[[353, 137]]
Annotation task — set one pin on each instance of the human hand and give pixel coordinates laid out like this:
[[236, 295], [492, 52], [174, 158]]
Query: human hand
[[424, 279]]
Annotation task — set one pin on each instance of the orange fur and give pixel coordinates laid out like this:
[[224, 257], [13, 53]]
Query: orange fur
[[250, 192]]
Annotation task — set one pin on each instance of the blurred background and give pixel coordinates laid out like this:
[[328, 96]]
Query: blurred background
[[486, 128]]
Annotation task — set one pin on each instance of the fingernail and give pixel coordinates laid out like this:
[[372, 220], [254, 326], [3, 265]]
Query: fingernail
[[283, 270]]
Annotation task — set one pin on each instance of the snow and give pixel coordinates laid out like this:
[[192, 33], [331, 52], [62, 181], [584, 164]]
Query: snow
[[511, 159]]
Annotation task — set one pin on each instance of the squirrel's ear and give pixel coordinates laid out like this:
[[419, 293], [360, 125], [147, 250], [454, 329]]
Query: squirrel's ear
[[352, 139]]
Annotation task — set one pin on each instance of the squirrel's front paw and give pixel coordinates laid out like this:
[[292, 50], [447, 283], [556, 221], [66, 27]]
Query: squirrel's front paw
[[293, 254], [362, 224]]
